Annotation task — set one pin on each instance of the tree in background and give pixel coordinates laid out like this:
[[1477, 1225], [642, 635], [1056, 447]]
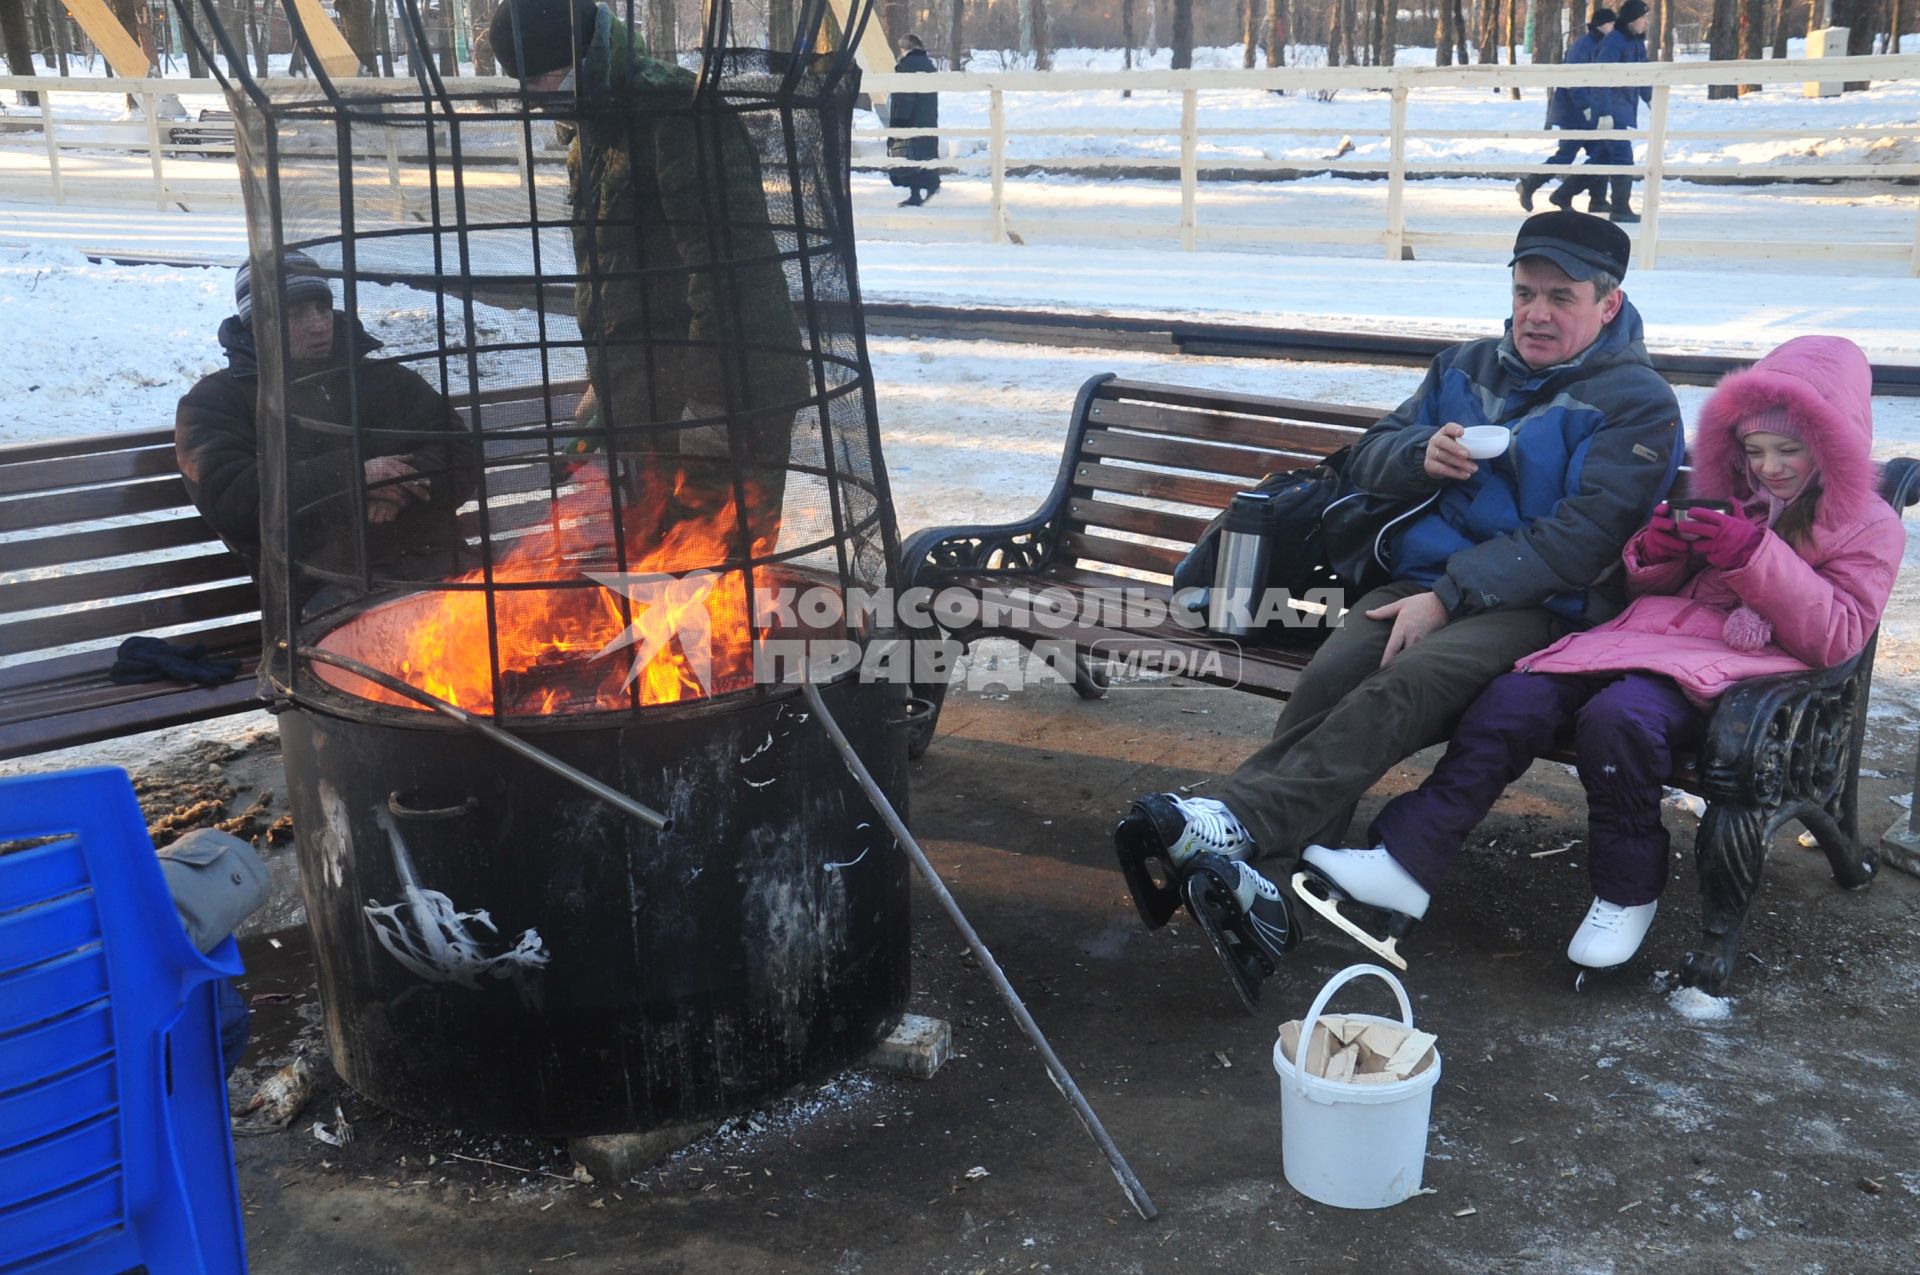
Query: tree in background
[[19, 43], [1380, 42], [1255, 20], [1182, 36], [356, 24], [1549, 41], [1042, 38], [663, 33], [956, 35]]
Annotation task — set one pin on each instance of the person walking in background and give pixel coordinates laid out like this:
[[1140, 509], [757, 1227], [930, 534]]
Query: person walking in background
[[1570, 109], [1794, 577], [914, 110], [1619, 106]]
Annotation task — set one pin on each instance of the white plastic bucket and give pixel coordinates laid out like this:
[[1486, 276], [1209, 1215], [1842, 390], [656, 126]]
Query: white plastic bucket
[[1353, 1146]]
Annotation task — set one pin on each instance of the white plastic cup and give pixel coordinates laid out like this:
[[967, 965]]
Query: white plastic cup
[[1484, 442]]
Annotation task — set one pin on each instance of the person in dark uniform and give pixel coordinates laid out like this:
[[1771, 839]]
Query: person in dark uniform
[[914, 110]]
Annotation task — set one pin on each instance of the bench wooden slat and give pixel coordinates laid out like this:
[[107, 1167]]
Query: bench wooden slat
[[1347, 414], [1081, 546], [1142, 522], [167, 705], [1314, 441], [85, 471], [65, 674], [86, 505], [1249, 463], [130, 617], [108, 542], [1178, 488], [86, 445], [120, 582]]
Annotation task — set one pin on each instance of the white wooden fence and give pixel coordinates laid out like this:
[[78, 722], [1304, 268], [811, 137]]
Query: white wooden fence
[[91, 158]]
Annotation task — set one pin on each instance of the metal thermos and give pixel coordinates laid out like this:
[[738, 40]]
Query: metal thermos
[[1240, 570]]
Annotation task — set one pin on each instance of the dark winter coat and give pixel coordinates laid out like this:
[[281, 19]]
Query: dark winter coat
[[654, 188], [1622, 102], [216, 439], [914, 110], [1566, 108], [1596, 444]]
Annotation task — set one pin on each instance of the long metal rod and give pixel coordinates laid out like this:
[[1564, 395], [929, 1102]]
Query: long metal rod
[[1136, 1194], [613, 796]]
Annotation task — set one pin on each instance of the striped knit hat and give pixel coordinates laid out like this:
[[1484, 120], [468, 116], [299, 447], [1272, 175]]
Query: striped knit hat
[[300, 280]]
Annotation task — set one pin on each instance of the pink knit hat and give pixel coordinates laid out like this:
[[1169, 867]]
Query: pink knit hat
[[1769, 420]]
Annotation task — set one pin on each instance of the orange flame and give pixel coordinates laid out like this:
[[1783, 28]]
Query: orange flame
[[567, 644]]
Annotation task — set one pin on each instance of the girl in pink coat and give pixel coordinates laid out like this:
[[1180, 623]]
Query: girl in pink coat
[[1795, 578]]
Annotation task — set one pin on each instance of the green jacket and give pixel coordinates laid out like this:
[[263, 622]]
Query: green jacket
[[656, 187]]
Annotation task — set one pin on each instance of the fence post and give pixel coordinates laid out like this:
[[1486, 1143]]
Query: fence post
[[1656, 167], [997, 162], [60, 191], [1396, 237], [153, 148], [1189, 171]]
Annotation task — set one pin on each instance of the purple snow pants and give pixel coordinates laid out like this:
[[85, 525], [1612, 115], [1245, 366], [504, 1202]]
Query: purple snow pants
[[1626, 729]]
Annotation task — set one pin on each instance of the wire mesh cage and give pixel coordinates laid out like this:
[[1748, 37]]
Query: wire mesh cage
[[563, 389]]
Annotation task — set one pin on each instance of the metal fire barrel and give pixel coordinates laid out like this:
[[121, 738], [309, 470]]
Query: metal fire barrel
[[499, 949], [556, 379]]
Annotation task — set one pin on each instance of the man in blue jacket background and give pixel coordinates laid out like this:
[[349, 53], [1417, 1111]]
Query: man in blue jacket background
[[1619, 107], [1510, 554], [1568, 108]]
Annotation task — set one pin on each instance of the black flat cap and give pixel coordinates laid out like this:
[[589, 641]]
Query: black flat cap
[[532, 37], [1600, 18], [1632, 9], [1579, 244]]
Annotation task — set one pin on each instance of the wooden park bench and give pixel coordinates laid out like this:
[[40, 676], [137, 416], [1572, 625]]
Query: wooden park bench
[[1147, 466], [99, 542]]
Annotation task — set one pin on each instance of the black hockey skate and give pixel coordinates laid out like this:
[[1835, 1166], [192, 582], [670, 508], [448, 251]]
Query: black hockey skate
[[1246, 916], [1158, 839]]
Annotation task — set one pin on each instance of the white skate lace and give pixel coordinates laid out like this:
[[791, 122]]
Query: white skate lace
[[1212, 826], [1607, 916]]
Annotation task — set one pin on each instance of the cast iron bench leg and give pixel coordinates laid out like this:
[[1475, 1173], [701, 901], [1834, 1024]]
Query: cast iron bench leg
[[1730, 852]]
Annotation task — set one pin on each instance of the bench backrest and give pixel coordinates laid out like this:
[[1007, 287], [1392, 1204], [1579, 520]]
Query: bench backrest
[[1152, 464], [98, 541]]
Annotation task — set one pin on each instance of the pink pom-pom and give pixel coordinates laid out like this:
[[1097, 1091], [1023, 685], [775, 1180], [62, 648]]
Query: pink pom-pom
[[1746, 630]]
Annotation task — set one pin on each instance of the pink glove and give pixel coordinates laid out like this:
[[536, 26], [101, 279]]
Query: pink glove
[[1661, 541], [1727, 540]]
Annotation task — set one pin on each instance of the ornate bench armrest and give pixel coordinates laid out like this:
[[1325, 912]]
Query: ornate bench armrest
[[933, 552], [1778, 738]]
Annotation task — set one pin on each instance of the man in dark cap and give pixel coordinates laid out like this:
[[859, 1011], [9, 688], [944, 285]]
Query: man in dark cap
[[418, 461], [1508, 554], [1568, 108], [681, 356], [1619, 107]]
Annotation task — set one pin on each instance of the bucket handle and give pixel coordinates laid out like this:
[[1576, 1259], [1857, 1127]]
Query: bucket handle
[[1329, 1092]]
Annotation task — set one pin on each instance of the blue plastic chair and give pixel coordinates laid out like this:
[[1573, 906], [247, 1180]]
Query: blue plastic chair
[[115, 1147]]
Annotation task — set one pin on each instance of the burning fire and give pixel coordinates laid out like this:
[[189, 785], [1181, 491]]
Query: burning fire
[[682, 631]]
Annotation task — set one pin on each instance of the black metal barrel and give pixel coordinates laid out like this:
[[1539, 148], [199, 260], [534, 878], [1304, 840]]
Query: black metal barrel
[[499, 949]]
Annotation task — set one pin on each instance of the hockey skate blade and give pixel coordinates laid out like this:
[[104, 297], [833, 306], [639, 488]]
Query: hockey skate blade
[[1245, 970], [1329, 909]]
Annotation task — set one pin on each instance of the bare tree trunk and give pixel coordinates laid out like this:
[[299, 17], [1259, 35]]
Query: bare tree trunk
[[1549, 43], [17, 38], [1752, 18], [479, 14], [62, 33], [894, 21], [356, 24], [1255, 17], [190, 20], [1379, 34], [1461, 53], [1723, 43], [1126, 37], [1442, 37], [1181, 37], [663, 35], [1895, 20], [957, 35], [259, 33], [1487, 35], [1664, 25], [1277, 26], [1042, 40], [138, 20]]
